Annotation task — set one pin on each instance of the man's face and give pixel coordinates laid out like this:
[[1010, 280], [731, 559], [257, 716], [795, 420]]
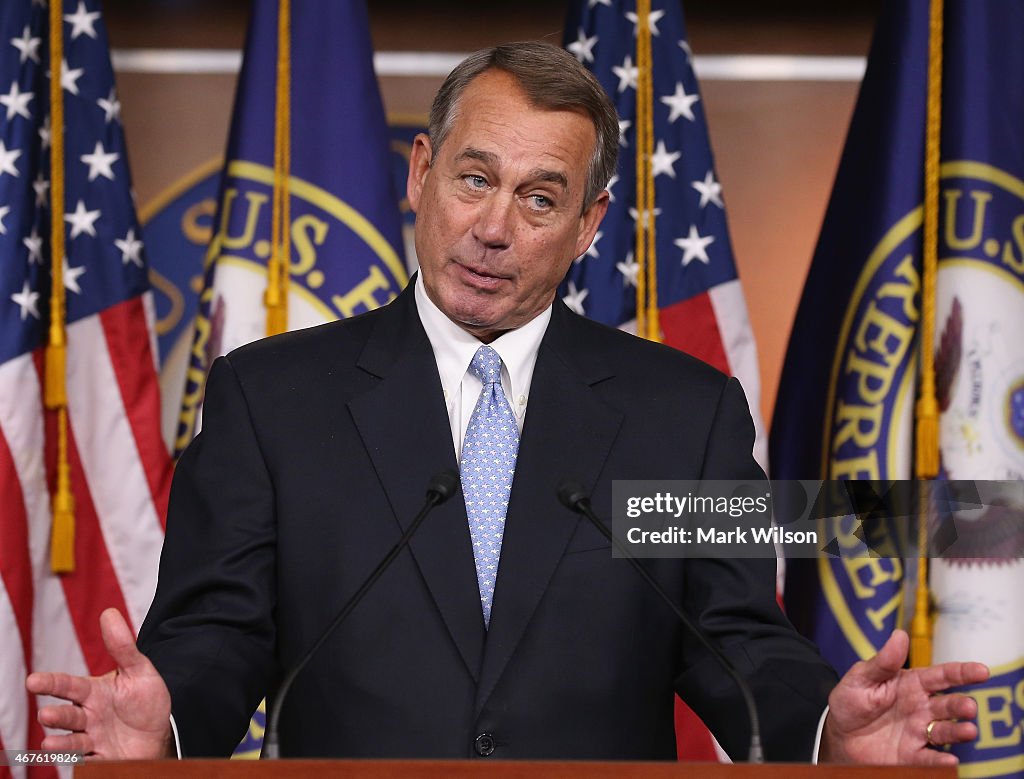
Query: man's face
[[499, 208]]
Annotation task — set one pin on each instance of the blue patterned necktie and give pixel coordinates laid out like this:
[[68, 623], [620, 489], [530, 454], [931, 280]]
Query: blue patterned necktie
[[487, 465]]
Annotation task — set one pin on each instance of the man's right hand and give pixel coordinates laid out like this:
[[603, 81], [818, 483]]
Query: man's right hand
[[122, 715]]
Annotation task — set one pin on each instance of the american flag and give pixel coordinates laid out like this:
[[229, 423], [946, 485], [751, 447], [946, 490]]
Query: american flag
[[701, 306], [701, 303], [120, 468]]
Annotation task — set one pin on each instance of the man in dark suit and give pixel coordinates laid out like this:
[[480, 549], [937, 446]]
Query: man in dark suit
[[507, 630]]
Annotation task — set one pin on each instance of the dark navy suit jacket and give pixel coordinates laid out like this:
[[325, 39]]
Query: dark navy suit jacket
[[316, 450]]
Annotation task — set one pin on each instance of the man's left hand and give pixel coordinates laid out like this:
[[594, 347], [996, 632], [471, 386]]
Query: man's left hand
[[883, 713]]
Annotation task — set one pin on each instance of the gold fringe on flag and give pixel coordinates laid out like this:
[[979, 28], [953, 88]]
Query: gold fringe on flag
[[276, 297], [647, 323], [927, 409], [55, 396]]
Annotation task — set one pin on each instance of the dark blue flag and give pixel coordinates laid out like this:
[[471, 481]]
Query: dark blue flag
[[346, 249], [845, 406]]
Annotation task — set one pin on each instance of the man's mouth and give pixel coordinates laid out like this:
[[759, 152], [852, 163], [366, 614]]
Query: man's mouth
[[479, 277]]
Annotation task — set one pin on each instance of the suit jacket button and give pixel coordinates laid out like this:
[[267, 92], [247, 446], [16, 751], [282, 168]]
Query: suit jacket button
[[484, 744]]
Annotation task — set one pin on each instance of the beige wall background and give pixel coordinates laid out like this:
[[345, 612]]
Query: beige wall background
[[777, 142]]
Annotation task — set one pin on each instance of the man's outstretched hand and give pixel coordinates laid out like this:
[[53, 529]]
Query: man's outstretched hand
[[882, 713], [124, 714]]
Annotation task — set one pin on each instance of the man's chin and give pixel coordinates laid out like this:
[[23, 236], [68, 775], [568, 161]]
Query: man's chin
[[482, 325], [478, 327]]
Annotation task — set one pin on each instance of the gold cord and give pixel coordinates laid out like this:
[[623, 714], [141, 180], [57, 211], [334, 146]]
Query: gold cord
[[55, 395], [276, 297], [927, 409]]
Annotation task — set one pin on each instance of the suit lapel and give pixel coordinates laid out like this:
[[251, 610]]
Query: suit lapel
[[568, 433], [406, 432]]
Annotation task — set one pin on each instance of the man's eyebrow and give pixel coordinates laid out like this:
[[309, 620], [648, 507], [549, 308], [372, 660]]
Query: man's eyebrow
[[486, 157], [550, 176]]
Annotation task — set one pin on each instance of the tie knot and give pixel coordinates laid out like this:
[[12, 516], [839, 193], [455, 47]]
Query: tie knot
[[486, 365]]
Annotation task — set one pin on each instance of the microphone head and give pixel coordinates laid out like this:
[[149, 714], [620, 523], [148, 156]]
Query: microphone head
[[572, 495], [443, 485]]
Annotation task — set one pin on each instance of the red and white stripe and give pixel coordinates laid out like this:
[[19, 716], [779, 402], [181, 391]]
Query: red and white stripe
[[714, 327], [120, 479]]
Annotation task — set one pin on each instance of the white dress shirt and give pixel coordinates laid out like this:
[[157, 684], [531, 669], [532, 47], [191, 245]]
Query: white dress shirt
[[454, 349]]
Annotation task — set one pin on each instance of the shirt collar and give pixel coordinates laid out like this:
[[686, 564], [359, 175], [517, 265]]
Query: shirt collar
[[454, 347]]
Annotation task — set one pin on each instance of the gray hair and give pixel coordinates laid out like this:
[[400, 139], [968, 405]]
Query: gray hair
[[553, 80]]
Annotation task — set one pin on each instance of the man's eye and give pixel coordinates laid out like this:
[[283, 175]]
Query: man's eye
[[475, 182], [540, 202]]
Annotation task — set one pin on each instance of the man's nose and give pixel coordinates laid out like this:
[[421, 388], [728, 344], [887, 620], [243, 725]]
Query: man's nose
[[495, 221]]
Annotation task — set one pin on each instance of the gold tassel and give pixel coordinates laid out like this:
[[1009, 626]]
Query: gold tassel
[[275, 299], [926, 450], [926, 410], [55, 393], [62, 529]]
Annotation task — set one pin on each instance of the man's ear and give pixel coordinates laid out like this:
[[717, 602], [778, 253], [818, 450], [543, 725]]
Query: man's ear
[[419, 167], [590, 220]]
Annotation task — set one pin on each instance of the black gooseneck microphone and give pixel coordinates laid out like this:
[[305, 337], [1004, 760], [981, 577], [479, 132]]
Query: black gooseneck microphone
[[442, 486], [572, 496]]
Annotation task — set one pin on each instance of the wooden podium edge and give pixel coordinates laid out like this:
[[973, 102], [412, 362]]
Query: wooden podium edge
[[492, 769]]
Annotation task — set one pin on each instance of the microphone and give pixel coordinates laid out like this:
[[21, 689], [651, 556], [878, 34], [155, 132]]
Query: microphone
[[572, 496], [442, 486]]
